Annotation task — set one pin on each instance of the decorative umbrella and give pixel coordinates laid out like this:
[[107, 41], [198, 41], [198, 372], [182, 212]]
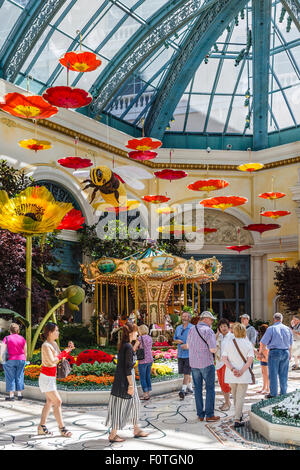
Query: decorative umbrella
[[35, 144], [27, 107], [80, 61], [67, 97], [140, 155], [73, 220], [275, 214], [169, 174], [131, 204], [75, 162], [166, 210], [158, 199], [272, 195], [224, 202], [239, 248], [144, 144], [251, 166], [207, 230], [279, 260], [261, 228], [177, 229], [208, 185]]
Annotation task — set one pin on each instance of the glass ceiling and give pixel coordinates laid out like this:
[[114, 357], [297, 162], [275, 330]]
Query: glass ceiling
[[219, 97]]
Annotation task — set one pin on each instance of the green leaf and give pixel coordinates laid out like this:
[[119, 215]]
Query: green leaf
[[15, 315]]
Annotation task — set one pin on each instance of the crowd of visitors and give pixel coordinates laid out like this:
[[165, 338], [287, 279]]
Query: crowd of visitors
[[201, 353]]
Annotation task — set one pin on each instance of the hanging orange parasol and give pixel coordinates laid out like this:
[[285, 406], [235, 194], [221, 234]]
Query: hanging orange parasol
[[250, 167], [158, 199], [80, 61], [279, 259], [275, 214], [224, 202], [272, 195], [208, 185], [144, 144], [27, 107], [35, 144]]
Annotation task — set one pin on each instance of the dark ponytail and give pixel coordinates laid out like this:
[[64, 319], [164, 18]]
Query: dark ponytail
[[127, 329], [49, 328]]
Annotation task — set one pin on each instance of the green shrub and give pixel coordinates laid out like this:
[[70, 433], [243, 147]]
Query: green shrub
[[79, 334], [97, 369]]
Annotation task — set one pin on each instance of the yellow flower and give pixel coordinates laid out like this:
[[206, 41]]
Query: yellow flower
[[34, 211]]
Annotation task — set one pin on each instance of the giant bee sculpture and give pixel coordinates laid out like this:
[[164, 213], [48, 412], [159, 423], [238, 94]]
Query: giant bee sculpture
[[104, 181]]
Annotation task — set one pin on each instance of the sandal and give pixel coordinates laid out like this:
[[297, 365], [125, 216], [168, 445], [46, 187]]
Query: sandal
[[43, 430], [224, 407], [64, 432], [116, 439], [141, 434], [145, 398]]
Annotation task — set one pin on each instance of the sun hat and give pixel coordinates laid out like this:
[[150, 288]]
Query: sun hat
[[245, 316], [207, 314]]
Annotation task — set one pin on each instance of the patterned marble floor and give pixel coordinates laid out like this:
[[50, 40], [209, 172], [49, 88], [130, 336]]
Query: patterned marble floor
[[172, 425]]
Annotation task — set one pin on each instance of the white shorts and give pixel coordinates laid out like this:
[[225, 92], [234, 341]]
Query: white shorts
[[47, 384]]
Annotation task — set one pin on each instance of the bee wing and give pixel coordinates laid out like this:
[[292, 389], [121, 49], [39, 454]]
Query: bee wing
[[132, 174], [82, 174]]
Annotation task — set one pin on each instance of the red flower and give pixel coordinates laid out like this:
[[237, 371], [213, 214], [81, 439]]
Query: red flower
[[67, 97], [93, 355], [72, 221], [261, 228], [142, 155], [239, 248], [144, 144], [80, 61], [156, 199], [170, 175], [27, 107], [75, 162]]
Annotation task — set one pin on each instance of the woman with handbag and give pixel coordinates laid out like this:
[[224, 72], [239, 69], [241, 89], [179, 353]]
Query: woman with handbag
[[14, 348], [124, 402], [145, 360], [238, 356], [51, 356]]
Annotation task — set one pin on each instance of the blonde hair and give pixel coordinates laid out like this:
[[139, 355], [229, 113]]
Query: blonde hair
[[143, 330], [14, 328], [239, 330]]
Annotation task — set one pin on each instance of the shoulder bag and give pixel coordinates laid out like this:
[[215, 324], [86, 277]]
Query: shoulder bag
[[140, 353], [4, 352], [63, 369], [241, 354], [204, 341]]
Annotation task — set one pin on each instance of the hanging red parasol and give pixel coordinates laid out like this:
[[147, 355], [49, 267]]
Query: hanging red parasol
[[275, 214], [224, 202], [208, 185], [239, 248], [272, 195], [142, 155], [67, 97], [27, 107], [261, 228], [207, 230], [75, 162], [170, 175], [158, 199], [35, 144], [144, 144], [80, 61], [72, 221]]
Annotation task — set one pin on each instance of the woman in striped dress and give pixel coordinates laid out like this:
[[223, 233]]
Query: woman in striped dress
[[124, 403]]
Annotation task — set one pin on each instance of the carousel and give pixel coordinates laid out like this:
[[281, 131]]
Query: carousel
[[154, 279]]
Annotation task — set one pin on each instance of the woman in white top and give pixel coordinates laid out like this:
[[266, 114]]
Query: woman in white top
[[237, 372], [223, 335]]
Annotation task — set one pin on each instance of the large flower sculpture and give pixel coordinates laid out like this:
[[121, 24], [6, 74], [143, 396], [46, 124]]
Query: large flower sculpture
[[142, 156], [158, 199], [34, 211], [144, 144], [67, 97], [72, 221], [224, 202], [275, 214], [208, 185], [75, 162], [272, 195], [169, 174], [261, 228], [80, 61], [27, 107], [35, 144]]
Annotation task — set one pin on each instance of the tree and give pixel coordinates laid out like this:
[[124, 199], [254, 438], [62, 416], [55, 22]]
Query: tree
[[13, 181], [287, 281]]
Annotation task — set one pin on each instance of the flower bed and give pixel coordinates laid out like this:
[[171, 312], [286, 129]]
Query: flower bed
[[289, 408], [274, 409]]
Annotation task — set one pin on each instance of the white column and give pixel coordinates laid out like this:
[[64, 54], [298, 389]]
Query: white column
[[257, 289], [296, 197]]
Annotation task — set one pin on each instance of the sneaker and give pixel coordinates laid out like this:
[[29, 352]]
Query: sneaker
[[188, 390], [9, 398], [269, 396], [20, 397], [238, 424], [181, 394]]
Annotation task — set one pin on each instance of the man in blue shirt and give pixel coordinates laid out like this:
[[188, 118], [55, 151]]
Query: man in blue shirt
[[278, 338], [184, 368]]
